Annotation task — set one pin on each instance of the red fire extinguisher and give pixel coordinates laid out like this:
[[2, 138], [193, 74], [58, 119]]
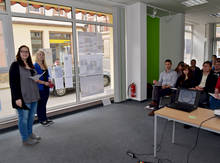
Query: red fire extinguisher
[[132, 90]]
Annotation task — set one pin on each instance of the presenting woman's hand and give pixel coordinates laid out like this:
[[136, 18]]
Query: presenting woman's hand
[[18, 102], [47, 84]]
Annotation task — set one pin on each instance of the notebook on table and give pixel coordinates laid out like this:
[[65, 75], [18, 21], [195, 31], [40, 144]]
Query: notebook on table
[[186, 100]]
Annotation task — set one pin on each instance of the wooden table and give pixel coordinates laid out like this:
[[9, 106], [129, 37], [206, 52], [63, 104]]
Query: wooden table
[[193, 118]]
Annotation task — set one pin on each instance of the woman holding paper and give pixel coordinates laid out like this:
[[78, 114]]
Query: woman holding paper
[[24, 93], [41, 68], [214, 102]]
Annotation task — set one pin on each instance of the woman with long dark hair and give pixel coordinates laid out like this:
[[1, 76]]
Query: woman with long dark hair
[[24, 93], [186, 79]]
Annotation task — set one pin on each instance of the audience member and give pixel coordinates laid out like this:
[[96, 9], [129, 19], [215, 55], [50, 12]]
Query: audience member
[[213, 61], [217, 67], [215, 101], [195, 69], [206, 83], [163, 87], [186, 79]]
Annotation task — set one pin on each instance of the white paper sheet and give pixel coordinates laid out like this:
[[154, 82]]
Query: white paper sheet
[[213, 95], [68, 82], [48, 56], [58, 72], [59, 83], [36, 77], [90, 42], [91, 85], [68, 69], [50, 72], [91, 64], [106, 102]]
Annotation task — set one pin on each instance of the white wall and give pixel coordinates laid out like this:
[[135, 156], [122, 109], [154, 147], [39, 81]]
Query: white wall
[[136, 48], [171, 39]]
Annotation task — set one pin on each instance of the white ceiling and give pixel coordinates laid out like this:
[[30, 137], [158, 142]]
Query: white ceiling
[[197, 14]]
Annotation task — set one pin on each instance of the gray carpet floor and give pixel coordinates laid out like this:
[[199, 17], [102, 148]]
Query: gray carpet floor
[[104, 134]]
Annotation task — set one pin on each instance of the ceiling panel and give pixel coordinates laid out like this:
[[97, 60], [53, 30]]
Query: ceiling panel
[[199, 14]]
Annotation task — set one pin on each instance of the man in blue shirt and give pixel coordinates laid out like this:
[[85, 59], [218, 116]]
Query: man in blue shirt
[[163, 87]]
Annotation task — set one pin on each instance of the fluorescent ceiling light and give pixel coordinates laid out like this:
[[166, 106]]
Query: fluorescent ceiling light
[[191, 3], [215, 15]]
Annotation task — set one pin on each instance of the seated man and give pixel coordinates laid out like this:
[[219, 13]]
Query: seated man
[[214, 58], [162, 87], [195, 69], [205, 83]]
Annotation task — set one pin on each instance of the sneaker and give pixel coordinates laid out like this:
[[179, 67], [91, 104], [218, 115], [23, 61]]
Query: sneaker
[[30, 142], [45, 123], [33, 136], [148, 107], [50, 122]]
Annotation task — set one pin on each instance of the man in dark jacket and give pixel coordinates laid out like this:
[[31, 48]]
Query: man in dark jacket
[[195, 70], [205, 83]]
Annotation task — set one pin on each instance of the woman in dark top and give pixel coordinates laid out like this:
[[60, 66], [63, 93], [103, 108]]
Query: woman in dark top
[[41, 67], [186, 79], [24, 93]]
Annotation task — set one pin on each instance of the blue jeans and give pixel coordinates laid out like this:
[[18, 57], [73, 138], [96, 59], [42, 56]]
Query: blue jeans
[[26, 119], [214, 103]]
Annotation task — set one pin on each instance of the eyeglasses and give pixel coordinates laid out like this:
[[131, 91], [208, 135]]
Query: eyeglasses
[[24, 51]]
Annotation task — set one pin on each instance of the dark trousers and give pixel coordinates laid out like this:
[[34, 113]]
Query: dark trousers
[[42, 103], [158, 92], [203, 99]]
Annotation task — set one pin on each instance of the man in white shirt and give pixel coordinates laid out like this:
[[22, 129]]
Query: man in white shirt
[[163, 87]]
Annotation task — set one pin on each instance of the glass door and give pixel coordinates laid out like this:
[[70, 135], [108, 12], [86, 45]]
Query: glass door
[[95, 54], [55, 38]]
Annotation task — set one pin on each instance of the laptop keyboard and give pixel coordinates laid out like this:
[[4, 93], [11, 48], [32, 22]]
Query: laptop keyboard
[[182, 107]]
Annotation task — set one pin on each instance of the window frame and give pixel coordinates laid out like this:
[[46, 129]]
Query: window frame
[[42, 43], [11, 49], [215, 40], [191, 32], [6, 25]]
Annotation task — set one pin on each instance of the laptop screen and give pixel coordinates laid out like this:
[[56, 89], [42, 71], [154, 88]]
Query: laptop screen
[[187, 96]]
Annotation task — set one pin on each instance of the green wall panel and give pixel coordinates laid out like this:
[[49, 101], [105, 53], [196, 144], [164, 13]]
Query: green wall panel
[[153, 47]]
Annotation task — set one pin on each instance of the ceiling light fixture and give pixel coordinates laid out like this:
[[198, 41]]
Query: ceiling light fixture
[[190, 3], [216, 15], [154, 13]]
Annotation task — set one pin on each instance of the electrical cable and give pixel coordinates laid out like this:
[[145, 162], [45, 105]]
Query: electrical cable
[[197, 137], [159, 160]]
